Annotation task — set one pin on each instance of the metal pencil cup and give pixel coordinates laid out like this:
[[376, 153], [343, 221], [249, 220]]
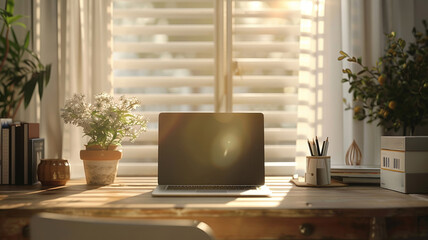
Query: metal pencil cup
[[318, 170]]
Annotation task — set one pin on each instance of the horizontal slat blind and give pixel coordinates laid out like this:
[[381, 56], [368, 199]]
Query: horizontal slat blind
[[164, 54], [265, 46]]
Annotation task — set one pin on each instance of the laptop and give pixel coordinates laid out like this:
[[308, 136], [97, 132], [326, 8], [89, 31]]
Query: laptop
[[211, 154]]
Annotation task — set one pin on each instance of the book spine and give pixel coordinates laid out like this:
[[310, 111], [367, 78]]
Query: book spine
[[404, 143], [33, 130], [4, 162], [392, 143], [404, 161], [36, 148], [392, 160], [19, 155], [5, 155], [12, 154], [24, 144], [2, 166]]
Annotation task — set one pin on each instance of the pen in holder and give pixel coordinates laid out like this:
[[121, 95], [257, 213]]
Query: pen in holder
[[318, 170]]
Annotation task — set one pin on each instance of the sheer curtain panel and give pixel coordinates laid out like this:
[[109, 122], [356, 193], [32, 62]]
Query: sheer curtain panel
[[84, 62]]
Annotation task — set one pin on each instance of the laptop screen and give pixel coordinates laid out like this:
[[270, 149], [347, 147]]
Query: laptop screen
[[211, 149]]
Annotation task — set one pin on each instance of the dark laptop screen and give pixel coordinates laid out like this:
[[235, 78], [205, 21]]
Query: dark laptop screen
[[211, 149]]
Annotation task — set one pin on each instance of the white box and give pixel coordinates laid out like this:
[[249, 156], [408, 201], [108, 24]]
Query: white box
[[404, 164]]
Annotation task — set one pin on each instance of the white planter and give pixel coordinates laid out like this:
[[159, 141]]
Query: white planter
[[100, 165], [404, 163]]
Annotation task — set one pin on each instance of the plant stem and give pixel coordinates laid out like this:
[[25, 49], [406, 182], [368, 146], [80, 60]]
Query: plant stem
[[3, 61], [9, 100], [112, 139]]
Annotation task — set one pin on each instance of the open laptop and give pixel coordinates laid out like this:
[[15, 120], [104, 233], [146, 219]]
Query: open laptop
[[211, 154]]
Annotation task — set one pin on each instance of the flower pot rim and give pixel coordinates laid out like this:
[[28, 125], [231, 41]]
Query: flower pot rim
[[97, 147]]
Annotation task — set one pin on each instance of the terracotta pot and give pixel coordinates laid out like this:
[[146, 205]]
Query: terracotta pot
[[53, 172], [100, 165]]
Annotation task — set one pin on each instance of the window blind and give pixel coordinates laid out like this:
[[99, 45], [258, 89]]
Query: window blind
[[192, 55], [264, 44]]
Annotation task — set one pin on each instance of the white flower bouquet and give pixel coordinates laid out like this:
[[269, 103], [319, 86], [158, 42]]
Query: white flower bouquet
[[106, 122]]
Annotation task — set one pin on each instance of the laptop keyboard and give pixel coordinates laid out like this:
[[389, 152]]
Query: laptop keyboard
[[212, 188]]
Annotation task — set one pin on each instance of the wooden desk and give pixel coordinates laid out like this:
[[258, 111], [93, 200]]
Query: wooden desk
[[355, 212]]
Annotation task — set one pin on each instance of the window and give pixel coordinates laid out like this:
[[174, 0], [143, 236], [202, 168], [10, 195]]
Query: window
[[209, 55]]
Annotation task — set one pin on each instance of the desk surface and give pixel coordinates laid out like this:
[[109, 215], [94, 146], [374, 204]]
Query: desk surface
[[353, 212], [134, 193]]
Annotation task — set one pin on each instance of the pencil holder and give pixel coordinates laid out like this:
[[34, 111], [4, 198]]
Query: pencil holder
[[318, 170]]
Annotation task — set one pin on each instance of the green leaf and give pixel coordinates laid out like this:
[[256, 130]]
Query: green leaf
[[28, 89], [361, 72], [343, 53], [10, 5], [11, 20], [15, 44], [40, 81], [47, 74], [30, 63], [402, 43], [20, 24], [26, 40]]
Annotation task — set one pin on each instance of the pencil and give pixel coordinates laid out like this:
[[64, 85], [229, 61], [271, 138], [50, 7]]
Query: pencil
[[314, 148], [310, 148], [326, 147], [322, 149], [317, 146]]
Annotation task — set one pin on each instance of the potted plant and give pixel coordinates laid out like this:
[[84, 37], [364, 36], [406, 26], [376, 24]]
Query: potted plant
[[106, 122], [20, 68], [394, 93]]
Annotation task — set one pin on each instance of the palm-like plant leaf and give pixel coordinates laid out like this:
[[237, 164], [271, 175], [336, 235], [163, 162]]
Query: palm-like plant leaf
[[23, 70]]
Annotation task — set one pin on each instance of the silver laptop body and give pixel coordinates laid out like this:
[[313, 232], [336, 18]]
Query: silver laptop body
[[211, 154]]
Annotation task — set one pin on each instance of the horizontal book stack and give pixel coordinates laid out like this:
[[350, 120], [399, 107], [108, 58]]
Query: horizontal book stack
[[356, 174], [21, 149]]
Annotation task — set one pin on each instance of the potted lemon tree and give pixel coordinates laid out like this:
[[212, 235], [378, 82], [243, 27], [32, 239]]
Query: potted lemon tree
[[395, 91], [106, 123], [394, 94]]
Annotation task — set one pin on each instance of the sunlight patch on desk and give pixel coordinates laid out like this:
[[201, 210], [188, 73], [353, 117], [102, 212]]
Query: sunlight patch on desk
[[17, 205], [91, 198]]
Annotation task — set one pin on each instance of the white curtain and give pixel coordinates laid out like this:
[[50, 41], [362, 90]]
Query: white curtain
[[85, 63], [356, 27]]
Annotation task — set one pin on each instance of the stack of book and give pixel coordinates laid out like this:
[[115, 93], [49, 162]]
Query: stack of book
[[21, 149], [356, 174]]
